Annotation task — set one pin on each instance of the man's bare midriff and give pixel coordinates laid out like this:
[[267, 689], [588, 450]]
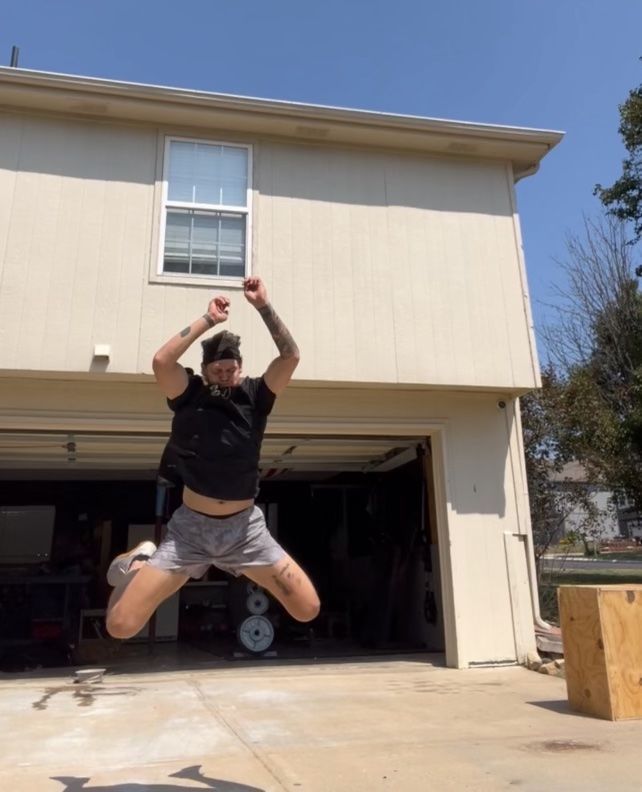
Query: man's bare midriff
[[213, 506]]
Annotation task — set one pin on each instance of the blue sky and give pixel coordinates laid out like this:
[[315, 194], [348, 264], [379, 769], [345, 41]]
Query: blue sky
[[554, 64]]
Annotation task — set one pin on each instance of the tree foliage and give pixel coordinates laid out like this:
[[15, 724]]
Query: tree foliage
[[596, 309], [597, 343], [589, 409], [590, 406], [624, 197], [547, 452]]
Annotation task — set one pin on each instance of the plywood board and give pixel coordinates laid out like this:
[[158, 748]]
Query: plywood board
[[602, 636], [585, 661], [621, 617]]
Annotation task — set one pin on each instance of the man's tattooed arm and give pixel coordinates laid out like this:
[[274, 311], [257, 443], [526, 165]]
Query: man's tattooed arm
[[284, 342], [170, 375], [187, 330]]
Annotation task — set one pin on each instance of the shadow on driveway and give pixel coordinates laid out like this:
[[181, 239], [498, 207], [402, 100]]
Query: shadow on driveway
[[74, 784], [561, 707]]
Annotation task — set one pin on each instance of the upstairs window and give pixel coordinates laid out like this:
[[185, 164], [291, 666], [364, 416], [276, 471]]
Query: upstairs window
[[206, 210]]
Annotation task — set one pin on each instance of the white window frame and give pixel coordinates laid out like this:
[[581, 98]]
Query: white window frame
[[183, 277]]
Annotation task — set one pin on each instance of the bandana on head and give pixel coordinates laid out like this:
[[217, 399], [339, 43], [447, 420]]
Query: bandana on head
[[222, 346]]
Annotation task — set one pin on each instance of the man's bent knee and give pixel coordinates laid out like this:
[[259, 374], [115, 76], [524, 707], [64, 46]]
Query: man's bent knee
[[122, 626], [306, 612]]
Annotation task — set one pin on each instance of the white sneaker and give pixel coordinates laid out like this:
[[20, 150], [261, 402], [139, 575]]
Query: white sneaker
[[119, 567]]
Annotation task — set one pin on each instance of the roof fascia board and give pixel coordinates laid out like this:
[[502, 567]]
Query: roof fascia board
[[109, 99]]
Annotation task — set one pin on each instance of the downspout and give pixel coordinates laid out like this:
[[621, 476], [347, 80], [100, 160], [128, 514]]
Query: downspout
[[529, 170], [528, 529]]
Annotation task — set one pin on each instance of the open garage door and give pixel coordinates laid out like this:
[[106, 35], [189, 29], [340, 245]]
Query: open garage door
[[353, 509], [105, 451]]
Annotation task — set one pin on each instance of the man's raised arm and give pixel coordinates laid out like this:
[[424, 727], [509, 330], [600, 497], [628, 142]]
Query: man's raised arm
[[170, 375], [279, 372]]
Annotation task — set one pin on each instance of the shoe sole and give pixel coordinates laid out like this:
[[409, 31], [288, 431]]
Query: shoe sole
[[133, 553]]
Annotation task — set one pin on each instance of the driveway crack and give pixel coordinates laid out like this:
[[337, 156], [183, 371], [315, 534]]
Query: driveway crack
[[236, 731]]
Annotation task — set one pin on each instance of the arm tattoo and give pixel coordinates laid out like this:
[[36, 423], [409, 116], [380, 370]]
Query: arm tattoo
[[184, 333], [279, 332]]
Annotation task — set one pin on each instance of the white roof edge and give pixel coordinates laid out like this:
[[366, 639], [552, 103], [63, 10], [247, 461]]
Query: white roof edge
[[373, 118]]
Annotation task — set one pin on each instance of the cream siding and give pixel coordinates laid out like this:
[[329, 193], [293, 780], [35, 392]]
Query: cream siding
[[75, 243], [388, 268], [478, 472], [415, 274]]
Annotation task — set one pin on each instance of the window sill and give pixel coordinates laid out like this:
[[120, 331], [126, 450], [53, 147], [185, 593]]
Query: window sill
[[197, 280]]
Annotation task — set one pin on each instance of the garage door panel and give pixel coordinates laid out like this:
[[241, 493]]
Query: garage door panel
[[42, 450]]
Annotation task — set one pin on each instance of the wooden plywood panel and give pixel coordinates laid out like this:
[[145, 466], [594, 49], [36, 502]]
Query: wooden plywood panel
[[621, 618], [602, 635], [585, 661]]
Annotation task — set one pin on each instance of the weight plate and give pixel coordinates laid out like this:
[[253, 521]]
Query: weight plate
[[257, 603], [256, 633]]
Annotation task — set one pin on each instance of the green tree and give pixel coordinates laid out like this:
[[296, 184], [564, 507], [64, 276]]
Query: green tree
[[547, 452], [595, 344], [624, 198]]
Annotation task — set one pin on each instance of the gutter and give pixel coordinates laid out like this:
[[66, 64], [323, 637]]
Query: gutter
[[21, 88]]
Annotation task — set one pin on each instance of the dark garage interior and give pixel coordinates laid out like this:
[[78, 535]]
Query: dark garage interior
[[365, 538]]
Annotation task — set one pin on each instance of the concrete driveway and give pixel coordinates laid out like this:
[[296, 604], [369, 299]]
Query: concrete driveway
[[405, 724]]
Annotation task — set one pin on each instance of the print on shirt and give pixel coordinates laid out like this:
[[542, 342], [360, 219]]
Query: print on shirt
[[224, 393]]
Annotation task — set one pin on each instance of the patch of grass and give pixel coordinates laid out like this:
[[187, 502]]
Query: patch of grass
[[548, 604], [632, 555], [592, 577], [565, 549], [601, 577]]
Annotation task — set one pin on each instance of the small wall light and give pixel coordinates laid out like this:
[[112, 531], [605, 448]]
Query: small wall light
[[102, 351]]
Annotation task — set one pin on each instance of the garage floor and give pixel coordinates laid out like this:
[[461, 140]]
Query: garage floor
[[122, 657], [405, 724]]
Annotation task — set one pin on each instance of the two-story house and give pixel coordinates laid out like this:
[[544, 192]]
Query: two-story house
[[390, 246]]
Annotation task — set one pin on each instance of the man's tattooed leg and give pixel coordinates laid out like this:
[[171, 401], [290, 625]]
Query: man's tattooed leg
[[285, 579]]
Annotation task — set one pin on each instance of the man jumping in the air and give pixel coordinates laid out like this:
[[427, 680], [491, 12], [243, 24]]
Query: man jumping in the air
[[214, 448]]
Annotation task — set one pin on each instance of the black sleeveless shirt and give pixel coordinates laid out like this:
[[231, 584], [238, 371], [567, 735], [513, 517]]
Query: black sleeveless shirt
[[215, 444]]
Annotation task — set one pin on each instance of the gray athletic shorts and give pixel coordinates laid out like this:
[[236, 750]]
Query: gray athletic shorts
[[195, 541]]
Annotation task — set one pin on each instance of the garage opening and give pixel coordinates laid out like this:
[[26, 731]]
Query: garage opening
[[356, 512]]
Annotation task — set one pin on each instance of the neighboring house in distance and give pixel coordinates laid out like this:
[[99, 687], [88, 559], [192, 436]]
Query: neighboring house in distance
[[630, 520], [605, 526], [391, 247]]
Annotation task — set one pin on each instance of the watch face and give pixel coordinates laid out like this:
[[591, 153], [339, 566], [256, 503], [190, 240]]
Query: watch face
[[256, 633]]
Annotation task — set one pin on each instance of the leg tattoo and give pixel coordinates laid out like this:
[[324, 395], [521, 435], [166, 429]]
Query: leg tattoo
[[285, 579]]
